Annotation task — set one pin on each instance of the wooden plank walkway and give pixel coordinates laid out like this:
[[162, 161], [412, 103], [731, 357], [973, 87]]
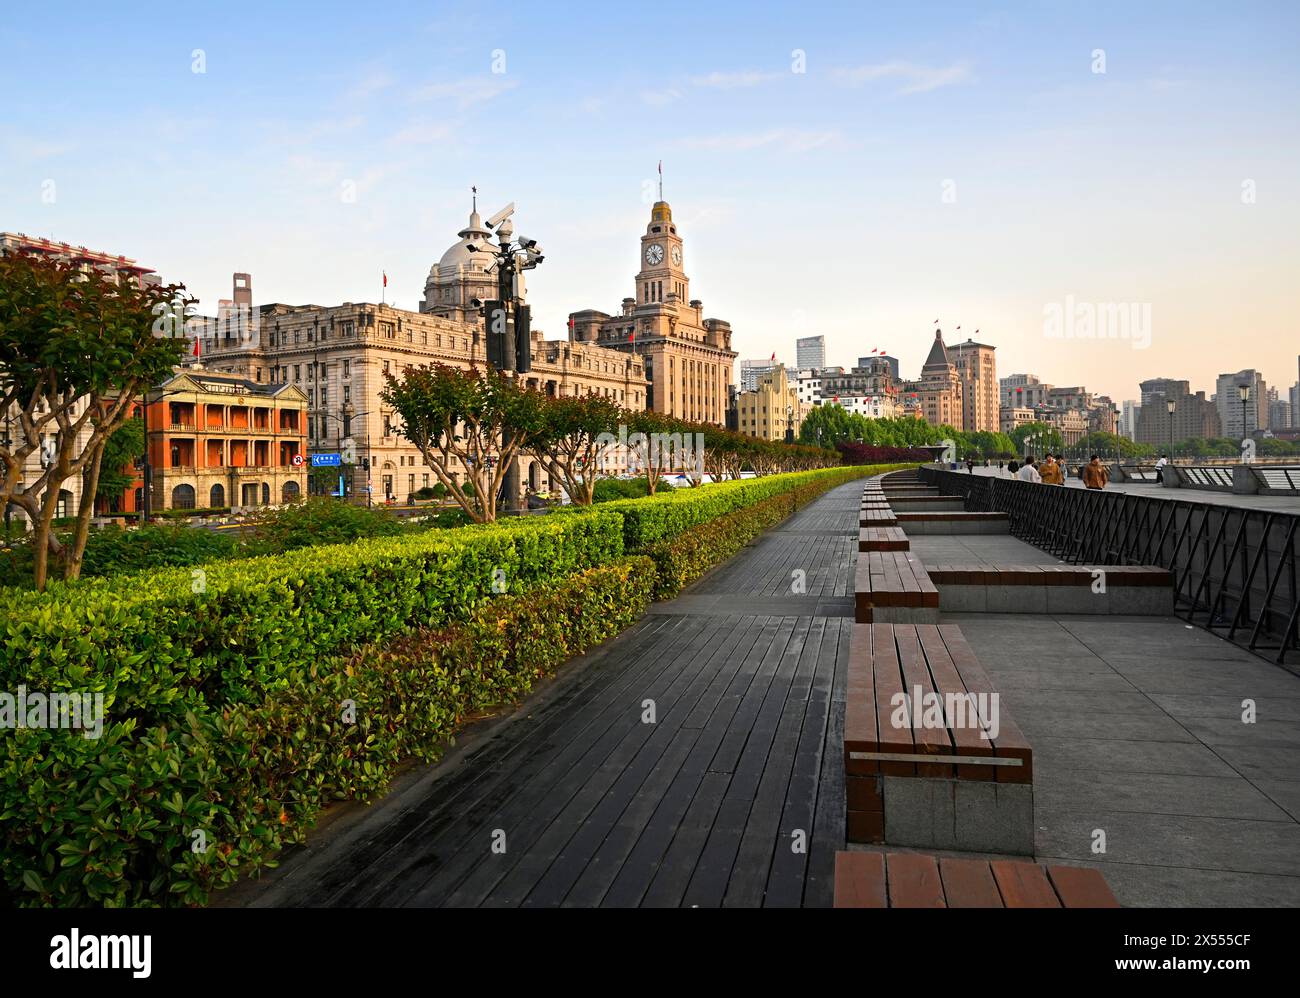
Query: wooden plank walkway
[[733, 796]]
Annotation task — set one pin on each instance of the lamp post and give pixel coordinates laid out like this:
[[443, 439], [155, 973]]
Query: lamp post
[[789, 424], [1170, 406], [1244, 392], [345, 432]]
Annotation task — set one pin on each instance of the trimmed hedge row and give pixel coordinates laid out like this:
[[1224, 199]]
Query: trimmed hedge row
[[686, 557], [667, 514], [158, 643], [166, 814], [225, 686]]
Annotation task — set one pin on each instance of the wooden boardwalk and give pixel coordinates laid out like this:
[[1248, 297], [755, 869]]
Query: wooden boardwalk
[[732, 796]]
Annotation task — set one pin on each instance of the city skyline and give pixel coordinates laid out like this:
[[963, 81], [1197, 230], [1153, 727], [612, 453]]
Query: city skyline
[[977, 167]]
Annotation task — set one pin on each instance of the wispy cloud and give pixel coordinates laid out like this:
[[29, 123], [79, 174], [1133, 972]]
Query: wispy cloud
[[736, 80], [369, 85], [915, 78], [419, 133], [467, 92], [784, 139], [658, 98]]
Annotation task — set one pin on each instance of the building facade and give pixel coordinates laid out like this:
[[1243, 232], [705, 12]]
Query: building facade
[[810, 352], [977, 368], [772, 410], [218, 441], [687, 358], [1240, 419], [937, 395]]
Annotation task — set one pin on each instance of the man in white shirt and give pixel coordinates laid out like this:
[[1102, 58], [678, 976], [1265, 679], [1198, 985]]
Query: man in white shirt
[[1028, 473], [1164, 459]]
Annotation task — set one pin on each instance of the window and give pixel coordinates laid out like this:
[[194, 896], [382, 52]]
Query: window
[[385, 367], [297, 372], [347, 393], [347, 368]]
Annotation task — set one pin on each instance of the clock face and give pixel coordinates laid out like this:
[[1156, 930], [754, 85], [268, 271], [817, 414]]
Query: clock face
[[677, 256], [654, 254]]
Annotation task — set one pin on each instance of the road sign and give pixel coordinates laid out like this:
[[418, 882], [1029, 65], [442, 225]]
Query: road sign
[[326, 460], [297, 460]]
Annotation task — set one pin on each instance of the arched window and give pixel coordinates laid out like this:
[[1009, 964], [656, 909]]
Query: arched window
[[266, 494], [217, 497], [183, 497], [290, 492]]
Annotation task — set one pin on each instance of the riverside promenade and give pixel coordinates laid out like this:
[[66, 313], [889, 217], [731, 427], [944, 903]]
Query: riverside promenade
[[697, 759]]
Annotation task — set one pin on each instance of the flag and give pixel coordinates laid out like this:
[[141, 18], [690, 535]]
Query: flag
[[873, 349], [631, 335], [936, 322], [198, 346], [661, 168], [773, 356], [385, 273]]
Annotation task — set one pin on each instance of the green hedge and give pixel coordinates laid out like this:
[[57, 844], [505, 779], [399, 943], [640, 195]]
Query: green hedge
[[686, 557], [113, 821], [666, 514], [155, 647]]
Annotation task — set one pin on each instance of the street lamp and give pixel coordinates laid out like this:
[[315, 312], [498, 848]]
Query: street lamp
[[789, 424], [1244, 392], [345, 433], [1170, 406]]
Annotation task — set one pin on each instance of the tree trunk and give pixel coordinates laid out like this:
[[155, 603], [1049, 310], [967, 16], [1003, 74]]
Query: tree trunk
[[89, 486], [41, 538]]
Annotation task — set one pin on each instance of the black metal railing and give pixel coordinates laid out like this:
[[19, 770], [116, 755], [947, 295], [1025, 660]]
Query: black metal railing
[[1236, 570]]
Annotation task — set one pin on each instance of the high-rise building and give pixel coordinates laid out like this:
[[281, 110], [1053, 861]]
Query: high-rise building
[[1162, 388], [752, 370], [1022, 391], [1295, 406], [936, 396], [977, 369], [1128, 419], [688, 358], [1238, 419], [810, 352], [1195, 417]]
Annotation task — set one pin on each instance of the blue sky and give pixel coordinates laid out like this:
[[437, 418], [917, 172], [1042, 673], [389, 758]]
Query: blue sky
[[956, 161]]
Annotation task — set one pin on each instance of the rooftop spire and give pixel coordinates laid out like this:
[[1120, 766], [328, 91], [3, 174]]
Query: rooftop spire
[[474, 191]]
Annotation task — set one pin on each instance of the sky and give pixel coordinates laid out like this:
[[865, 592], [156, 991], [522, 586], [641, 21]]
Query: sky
[[857, 170]]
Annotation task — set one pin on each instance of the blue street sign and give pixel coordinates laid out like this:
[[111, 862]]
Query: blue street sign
[[326, 460]]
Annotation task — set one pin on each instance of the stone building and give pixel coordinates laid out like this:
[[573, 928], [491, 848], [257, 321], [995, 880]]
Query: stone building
[[977, 369], [936, 396], [772, 411], [340, 355], [688, 358]]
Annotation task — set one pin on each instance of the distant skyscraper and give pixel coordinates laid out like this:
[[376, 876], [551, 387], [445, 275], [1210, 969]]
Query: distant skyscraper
[[1128, 421], [752, 370], [810, 352], [1231, 410]]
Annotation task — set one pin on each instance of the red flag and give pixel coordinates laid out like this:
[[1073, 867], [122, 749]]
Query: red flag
[[631, 336], [198, 346], [385, 273], [773, 356]]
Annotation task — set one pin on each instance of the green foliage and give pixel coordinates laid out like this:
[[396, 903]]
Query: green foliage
[[319, 520], [122, 448], [682, 559], [609, 489], [111, 821]]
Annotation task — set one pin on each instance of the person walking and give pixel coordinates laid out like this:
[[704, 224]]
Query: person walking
[[1095, 475], [1164, 459], [1028, 473], [1051, 471]]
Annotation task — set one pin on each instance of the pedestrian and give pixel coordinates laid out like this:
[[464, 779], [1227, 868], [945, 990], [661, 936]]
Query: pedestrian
[[1065, 470], [970, 466], [1095, 475], [1050, 471], [1028, 473], [1012, 468], [1164, 459]]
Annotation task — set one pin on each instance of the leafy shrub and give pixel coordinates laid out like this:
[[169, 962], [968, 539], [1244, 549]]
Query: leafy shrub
[[609, 489], [319, 520], [159, 643], [425, 493], [111, 821]]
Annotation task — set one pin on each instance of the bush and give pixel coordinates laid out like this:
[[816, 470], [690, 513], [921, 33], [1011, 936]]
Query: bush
[[681, 560], [319, 520], [425, 493], [609, 489], [112, 821], [664, 516], [159, 643]]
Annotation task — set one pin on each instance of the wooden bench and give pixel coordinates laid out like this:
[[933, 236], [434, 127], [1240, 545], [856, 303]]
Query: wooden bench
[[891, 585], [954, 522], [1088, 589], [932, 758], [883, 517], [915, 880], [882, 539]]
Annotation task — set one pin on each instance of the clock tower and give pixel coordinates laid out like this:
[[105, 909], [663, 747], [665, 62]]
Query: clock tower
[[661, 273]]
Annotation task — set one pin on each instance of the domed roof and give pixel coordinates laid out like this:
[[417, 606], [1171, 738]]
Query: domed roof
[[459, 255]]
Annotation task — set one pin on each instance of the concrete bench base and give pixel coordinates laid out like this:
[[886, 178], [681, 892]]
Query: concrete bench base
[[1102, 589], [918, 504], [954, 523]]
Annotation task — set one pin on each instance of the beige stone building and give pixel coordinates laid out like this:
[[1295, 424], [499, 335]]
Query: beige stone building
[[772, 411], [936, 396], [339, 356], [977, 369], [688, 358]]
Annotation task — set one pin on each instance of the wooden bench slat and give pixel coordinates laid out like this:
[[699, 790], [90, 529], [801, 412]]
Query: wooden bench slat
[[860, 880], [916, 674], [969, 739], [1079, 887], [913, 881], [1023, 885], [889, 682], [1010, 742], [969, 883]]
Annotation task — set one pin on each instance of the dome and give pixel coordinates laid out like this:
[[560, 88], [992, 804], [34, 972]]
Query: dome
[[459, 255]]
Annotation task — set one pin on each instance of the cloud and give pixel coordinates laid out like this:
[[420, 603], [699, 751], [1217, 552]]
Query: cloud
[[658, 98], [369, 85], [419, 133], [733, 81], [467, 92], [916, 79], [785, 139]]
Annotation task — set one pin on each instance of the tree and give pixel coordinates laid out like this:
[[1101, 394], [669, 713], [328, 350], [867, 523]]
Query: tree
[[76, 349], [480, 420], [121, 450], [573, 434]]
